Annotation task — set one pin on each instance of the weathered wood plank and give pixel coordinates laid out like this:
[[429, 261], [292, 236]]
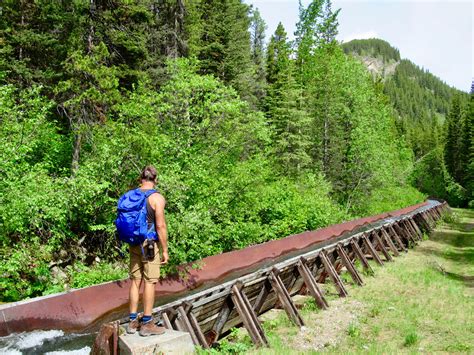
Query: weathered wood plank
[[372, 250], [285, 299], [333, 274], [349, 266], [312, 285]]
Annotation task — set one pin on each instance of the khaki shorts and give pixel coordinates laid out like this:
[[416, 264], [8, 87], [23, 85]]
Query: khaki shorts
[[140, 269]]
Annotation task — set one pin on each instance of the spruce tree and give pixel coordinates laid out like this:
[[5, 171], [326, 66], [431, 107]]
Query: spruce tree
[[453, 146], [224, 48], [468, 149], [257, 38], [285, 109]]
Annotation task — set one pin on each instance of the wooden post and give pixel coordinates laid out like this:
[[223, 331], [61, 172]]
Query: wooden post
[[311, 284], [424, 224], [411, 231], [384, 251], [166, 321], [360, 254], [249, 318], [333, 274], [405, 235], [429, 218], [389, 241], [106, 341], [397, 239], [195, 325], [417, 229], [349, 266], [372, 250], [262, 296], [285, 298], [221, 319], [187, 324]]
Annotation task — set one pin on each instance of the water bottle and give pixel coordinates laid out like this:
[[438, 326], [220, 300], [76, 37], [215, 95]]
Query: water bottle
[[150, 250]]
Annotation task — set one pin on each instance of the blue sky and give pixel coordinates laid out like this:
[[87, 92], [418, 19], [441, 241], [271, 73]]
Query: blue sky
[[436, 35]]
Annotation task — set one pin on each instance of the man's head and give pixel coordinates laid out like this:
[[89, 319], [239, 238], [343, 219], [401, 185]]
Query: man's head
[[148, 174]]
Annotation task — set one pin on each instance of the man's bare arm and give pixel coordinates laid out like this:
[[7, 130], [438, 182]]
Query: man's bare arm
[[160, 223]]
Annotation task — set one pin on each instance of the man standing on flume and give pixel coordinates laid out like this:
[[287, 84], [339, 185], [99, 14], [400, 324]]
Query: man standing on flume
[[148, 271]]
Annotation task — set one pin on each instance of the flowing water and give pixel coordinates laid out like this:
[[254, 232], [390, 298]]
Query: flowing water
[[47, 342]]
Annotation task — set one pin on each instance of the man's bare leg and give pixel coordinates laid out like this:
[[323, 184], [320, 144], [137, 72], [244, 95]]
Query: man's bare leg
[[134, 295], [148, 298], [148, 327]]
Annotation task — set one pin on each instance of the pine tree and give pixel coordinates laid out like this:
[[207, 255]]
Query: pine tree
[[257, 38], [453, 146], [224, 47], [34, 41], [278, 55], [468, 149], [284, 107]]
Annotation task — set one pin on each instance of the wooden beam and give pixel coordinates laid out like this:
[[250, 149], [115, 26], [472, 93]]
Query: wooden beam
[[187, 325], [360, 255], [294, 278], [262, 296], [371, 249], [430, 219], [422, 222], [284, 298], [311, 284], [404, 234], [384, 251], [411, 231], [349, 266], [389, 242], [333, 274], [248, 316], [188, 306], [221, 319], [417, 229], [166, 321], [397, 238]]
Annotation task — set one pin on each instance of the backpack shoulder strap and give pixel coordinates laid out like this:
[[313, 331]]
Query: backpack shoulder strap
[[150, 192]]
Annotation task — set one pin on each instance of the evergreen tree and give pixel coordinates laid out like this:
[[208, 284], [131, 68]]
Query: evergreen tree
[[468, 146], [224, 48], [257, 38], [285, 109], [453, 146], [34, 41], [278, 54]]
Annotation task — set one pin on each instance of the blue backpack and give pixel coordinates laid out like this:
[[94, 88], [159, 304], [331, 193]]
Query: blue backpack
[[131, 223]]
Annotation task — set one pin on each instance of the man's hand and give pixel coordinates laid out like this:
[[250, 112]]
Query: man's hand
[[165, 258]]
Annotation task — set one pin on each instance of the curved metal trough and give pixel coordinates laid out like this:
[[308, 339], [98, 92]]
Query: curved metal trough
[[234, 287]]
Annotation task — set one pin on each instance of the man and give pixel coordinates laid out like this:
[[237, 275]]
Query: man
[[148, 271]]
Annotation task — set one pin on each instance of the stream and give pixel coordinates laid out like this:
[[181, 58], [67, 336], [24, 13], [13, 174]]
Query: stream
[[47, 342]]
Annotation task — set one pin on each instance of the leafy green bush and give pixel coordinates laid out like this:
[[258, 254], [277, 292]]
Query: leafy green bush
[[431, 177]]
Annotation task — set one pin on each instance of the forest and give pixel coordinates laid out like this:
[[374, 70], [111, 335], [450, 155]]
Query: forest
[[254, 138]]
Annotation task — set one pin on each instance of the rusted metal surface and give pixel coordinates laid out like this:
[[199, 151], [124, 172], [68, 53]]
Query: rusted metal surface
[[85, 309]]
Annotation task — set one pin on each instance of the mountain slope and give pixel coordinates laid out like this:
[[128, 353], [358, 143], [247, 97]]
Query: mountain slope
[[421, 99]]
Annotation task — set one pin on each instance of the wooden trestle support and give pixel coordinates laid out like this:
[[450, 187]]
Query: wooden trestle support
[[208, 314]]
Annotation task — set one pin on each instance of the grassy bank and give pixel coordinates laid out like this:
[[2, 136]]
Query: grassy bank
[[422, 302]]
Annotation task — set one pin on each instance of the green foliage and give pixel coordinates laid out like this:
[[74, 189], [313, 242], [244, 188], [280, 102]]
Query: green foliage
[[82, 275], [98, 90], [411, 338], [24, 270], [353, 330], [430, 174], [372, 47]]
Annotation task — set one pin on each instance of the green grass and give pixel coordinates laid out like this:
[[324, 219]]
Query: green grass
[[421, 302]]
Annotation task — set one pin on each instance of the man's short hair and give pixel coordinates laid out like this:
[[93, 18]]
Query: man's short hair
[[148, 173]]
